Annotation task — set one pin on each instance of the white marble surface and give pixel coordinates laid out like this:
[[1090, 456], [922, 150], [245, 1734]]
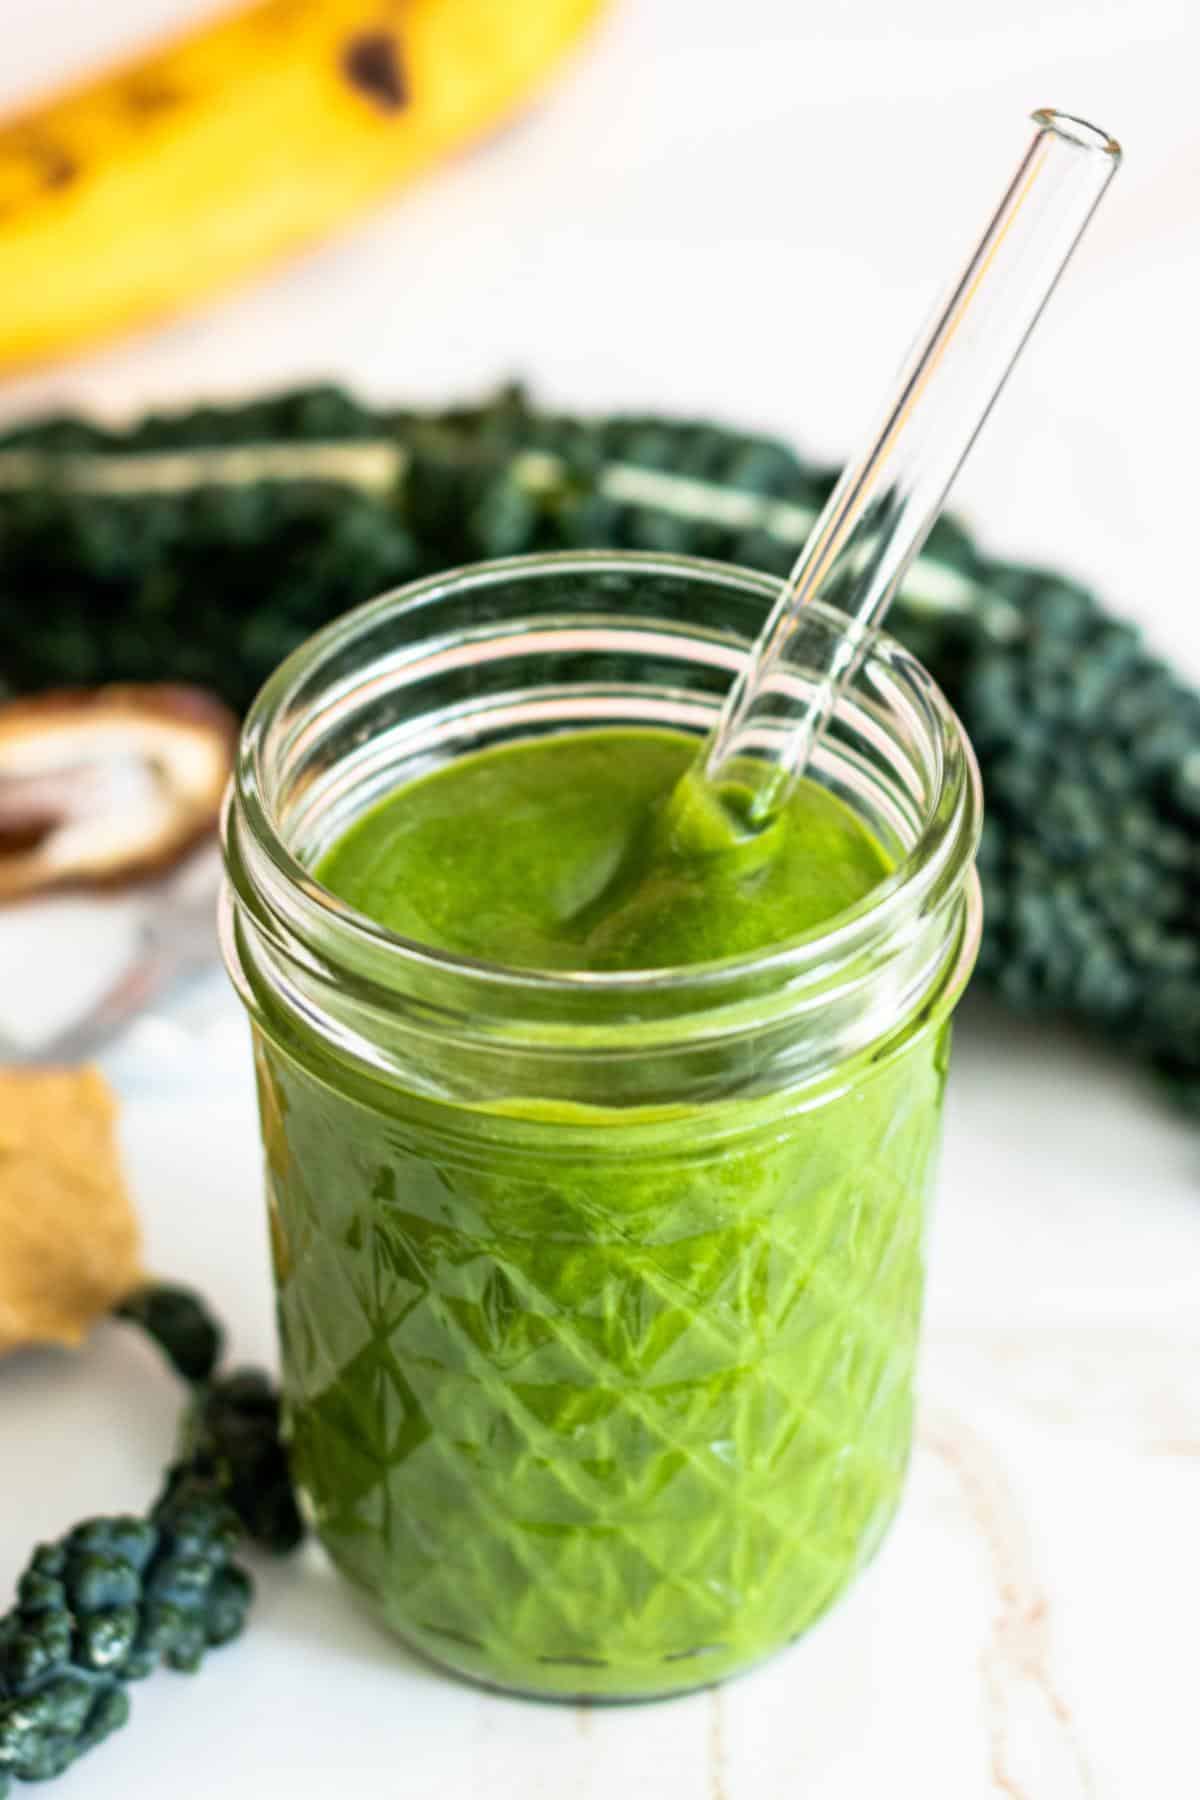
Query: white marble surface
[[745, 211], [1027, 1633]]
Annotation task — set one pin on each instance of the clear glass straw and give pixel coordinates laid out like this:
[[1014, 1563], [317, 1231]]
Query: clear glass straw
[[882, 509]]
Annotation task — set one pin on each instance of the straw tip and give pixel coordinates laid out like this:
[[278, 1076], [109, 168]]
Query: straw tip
[[1077, 131]]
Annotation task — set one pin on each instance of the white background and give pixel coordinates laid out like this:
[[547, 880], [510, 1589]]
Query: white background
[[745, 211]]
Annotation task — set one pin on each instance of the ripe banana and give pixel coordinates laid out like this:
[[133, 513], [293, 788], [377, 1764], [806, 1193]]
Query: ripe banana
[[170, 176]]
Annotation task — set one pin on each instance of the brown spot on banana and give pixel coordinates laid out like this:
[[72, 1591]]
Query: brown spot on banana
[[33, 162], [145, 95], [372, 65], [58, 168]]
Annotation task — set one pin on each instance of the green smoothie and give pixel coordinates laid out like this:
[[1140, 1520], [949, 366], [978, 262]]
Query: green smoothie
[[606, 1399], [583, 852]]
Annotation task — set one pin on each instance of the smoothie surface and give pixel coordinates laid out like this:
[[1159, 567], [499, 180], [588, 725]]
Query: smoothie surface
[[583, 852]]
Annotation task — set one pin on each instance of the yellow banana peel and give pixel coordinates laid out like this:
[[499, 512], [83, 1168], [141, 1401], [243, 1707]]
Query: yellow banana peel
[[173, 175]]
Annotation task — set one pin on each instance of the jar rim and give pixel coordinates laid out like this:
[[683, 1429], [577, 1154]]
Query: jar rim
[[936, 864]]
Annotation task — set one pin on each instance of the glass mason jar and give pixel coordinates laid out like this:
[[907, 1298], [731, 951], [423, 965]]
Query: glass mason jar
[[598, 1295]]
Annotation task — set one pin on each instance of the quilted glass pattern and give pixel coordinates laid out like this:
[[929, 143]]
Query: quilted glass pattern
[[601, 1421]]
